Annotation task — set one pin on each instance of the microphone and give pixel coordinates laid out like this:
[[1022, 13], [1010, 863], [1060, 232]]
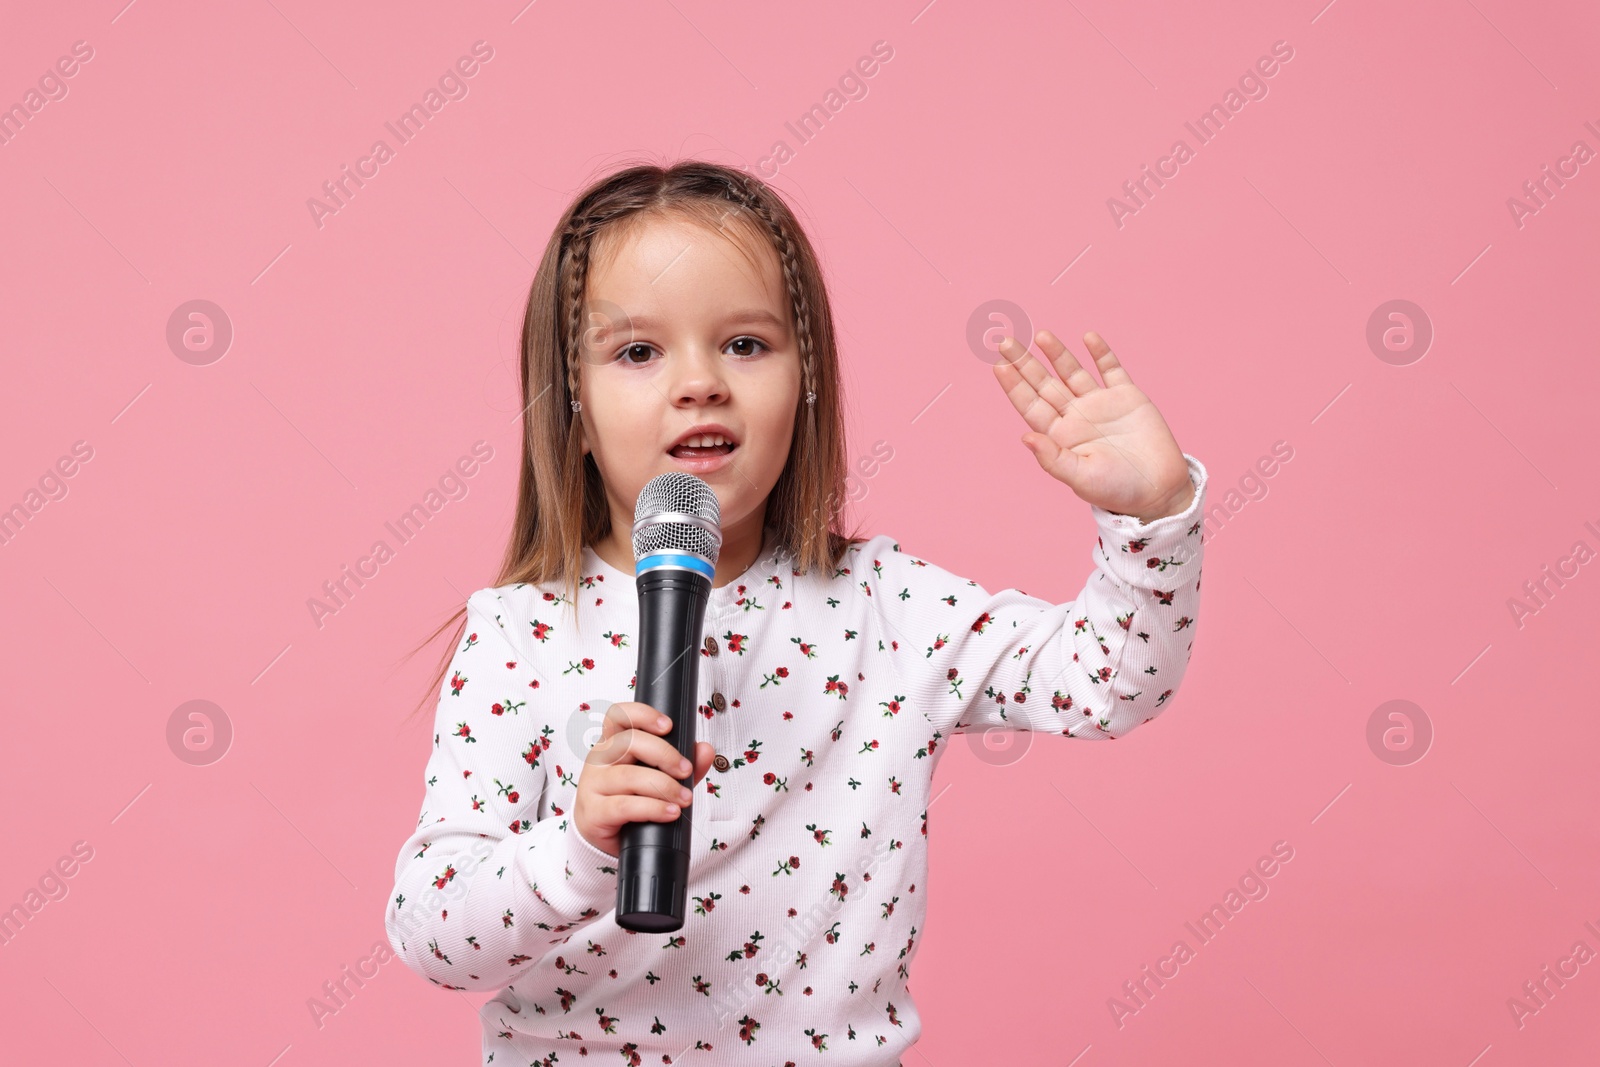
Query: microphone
[[677, 534]]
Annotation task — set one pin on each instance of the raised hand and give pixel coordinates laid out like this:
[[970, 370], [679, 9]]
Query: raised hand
[[1108, 442]]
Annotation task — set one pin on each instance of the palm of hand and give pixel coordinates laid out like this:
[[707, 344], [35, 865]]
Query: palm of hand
[[1108, 443]]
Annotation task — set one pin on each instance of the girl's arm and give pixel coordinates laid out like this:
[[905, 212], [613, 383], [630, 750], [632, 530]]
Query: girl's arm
[[1097, 666], [483, 887]]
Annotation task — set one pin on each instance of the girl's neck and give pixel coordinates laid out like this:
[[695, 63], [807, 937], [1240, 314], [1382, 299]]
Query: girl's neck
[[742, 545]]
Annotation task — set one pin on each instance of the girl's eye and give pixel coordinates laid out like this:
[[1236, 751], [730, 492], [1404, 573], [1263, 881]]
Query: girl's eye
[[628, 352], [761, 345]]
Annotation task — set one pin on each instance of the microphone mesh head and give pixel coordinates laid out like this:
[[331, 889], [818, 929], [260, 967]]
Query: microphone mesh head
[[677, 512]]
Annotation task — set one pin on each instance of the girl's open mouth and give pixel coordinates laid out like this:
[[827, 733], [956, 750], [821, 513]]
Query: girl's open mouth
[[706, 452]]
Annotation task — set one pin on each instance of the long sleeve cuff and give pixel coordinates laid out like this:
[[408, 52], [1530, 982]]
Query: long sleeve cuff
[[1159, 554]]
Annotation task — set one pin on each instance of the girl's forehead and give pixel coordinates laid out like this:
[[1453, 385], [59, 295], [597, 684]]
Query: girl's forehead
[[657, 266]]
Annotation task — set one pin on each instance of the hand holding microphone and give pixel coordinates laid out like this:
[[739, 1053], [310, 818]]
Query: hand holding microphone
[[677, 536], [633, 774]]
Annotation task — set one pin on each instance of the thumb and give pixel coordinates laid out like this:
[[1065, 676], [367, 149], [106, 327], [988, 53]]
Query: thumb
[[1060, 463], [1044, 450], [704, 753]]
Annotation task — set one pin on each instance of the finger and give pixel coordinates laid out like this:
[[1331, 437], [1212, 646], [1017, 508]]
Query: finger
[[1066, 364], [616, 734], [654, 751], [631, 715], [1053, 391], [704, 753], [1057, 461], [615, 811], [1111, 371], [1037, 409], [636, 746], [631, 779]]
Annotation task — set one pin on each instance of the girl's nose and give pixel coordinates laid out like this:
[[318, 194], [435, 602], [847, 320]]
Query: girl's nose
[[699, 377]]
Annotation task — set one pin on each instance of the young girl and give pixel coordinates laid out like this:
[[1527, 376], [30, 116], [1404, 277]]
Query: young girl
[[679, 320]]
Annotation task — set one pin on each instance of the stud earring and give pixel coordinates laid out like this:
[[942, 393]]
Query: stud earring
[[811, 398], [577, 405]]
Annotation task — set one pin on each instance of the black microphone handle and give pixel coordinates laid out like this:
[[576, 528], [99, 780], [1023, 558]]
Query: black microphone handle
[[653, 860]]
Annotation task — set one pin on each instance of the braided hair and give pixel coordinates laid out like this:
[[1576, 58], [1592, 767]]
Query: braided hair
[[746, 195], [561, 502]]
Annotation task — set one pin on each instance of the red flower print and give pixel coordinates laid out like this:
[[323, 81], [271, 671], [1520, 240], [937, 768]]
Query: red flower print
[[835, 628]]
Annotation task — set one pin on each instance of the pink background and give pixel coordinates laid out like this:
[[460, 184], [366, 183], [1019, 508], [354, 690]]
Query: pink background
[[371, 353]]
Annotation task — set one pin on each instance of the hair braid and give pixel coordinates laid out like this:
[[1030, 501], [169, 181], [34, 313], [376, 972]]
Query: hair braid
[[577, 277], [563, 507], [799, 303]]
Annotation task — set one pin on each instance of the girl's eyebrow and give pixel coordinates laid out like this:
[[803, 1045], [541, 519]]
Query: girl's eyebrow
[[749, 315]]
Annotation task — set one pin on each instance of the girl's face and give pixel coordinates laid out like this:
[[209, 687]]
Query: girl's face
[[681, 330]]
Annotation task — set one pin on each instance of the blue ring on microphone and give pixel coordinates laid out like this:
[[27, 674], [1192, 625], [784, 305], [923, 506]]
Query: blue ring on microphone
[[675, 559]]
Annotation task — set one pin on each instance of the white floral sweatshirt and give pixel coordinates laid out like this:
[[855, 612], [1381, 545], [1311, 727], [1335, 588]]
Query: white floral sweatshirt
[[829, 698]]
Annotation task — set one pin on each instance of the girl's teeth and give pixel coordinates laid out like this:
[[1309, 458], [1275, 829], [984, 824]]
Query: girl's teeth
[[690, 451]]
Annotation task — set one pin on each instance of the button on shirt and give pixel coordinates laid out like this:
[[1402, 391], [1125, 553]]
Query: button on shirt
[[829, 698]]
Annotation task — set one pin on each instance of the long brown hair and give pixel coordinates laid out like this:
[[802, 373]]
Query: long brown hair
[[561, 499]]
